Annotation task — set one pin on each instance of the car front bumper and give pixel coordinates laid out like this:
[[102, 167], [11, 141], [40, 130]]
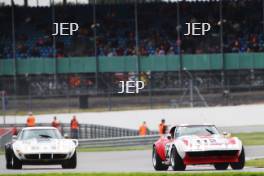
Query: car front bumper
[[211, 157], [44, 158]]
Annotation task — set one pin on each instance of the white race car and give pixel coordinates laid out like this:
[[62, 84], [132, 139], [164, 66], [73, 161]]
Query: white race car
[[197, 144], [41, 146]]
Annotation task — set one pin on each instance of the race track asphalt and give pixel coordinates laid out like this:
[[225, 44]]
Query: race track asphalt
[[123, 161]]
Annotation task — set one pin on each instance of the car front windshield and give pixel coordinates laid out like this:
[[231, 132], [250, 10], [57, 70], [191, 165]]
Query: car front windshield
[[196, 130], [40, 133]]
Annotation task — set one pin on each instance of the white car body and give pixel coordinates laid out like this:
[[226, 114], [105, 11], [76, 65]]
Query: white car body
[[42, 150], [197, 144], [22, 148]]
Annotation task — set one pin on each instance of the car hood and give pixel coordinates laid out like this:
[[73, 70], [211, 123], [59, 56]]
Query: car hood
[[210, 142], [45, 145]]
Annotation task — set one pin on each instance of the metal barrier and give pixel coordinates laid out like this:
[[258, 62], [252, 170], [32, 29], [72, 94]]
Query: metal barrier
[[90, 131], [5, 137], [118, 141], [96, 136], [128, 63]]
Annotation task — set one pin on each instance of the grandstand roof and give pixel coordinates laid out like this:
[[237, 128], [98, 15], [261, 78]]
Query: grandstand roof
[[33, 3]]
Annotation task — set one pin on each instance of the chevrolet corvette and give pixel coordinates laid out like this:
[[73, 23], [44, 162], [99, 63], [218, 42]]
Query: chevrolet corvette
[[41, 146], [197, 144]]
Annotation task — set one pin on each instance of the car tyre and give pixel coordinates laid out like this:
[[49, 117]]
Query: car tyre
[[241, 161], [177, 163], [157, 162], [70, 163], [17, 164], [221, 166], [9, 164]]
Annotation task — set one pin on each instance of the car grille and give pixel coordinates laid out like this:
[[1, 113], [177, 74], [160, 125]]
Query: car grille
[[45, 156], [213, 153], [32, 156], [59, 156]]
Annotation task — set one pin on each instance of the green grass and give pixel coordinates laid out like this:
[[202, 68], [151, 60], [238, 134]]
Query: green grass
[[147, 174], [259, 163], [109, 149], [251, 138]]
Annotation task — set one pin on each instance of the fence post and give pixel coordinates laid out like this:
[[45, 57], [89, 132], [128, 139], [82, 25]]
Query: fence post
[[85, 131], [80, 132], [88, 132], [112, 131], [62, 129], [94, 131], [116, 132], [105, 132], [92, 128]]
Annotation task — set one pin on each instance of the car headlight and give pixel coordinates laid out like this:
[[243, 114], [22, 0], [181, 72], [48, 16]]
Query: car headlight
[[70, 150], [34, 148], [231, 141], [19, 152], [16, 148]]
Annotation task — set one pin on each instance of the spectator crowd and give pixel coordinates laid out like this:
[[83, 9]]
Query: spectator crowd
[[158, 29]]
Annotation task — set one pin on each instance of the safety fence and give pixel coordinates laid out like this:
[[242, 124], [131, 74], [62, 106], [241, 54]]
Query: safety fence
[[227, 61], [91, 135], [89, 131], [119, 141], [41, 94]]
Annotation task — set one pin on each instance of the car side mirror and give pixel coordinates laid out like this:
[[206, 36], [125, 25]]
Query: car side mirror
[[76, 142], [14, 137], [169, 137], [66, 136]]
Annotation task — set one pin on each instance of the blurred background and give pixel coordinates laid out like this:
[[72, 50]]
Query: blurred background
[[121, 40]]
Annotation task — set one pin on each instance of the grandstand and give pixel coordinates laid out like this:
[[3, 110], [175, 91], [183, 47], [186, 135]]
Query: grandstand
[[131, 40], [116, 33]]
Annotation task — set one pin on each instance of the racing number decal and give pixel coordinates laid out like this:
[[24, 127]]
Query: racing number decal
[[167, 149]]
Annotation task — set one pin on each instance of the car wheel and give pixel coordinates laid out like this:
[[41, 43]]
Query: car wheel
[[241, 161], [157, 162], [8, 165], [221, 166], [9, 160], [70, 163], [17, 164], [176, 161]]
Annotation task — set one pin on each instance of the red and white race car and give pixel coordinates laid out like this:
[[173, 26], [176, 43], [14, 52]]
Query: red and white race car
[[197, 144]]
